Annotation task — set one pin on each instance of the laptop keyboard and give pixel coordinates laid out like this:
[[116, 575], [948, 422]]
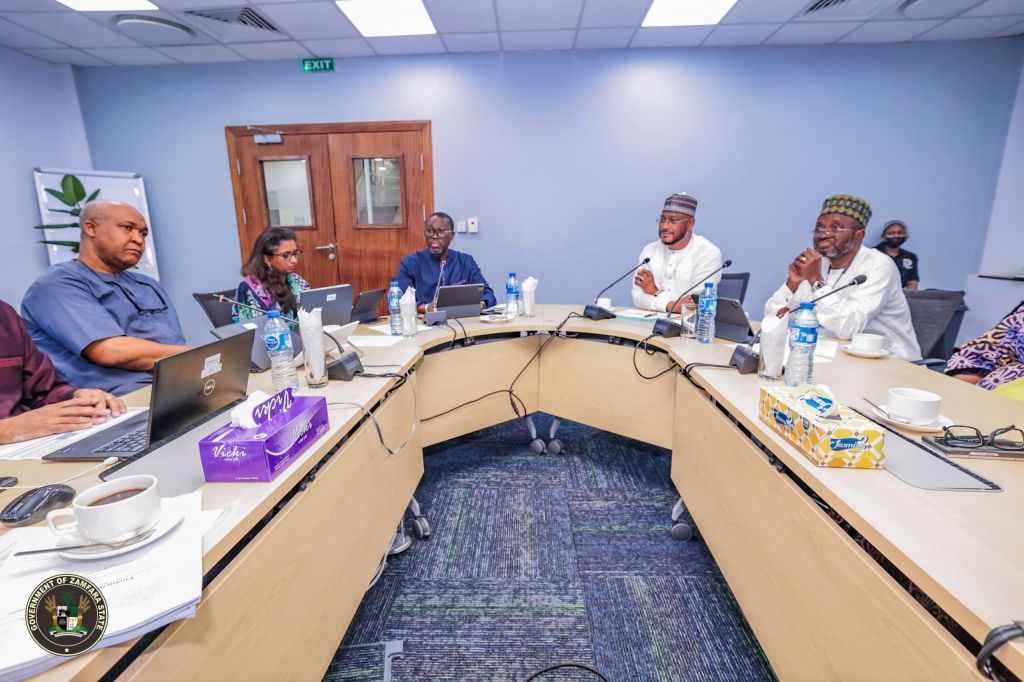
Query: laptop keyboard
[[133, 441]]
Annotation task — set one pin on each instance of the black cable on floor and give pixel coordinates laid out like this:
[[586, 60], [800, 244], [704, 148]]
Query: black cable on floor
[[580, 666]]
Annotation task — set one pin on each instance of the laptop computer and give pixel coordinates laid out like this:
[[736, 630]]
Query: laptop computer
[[462, 300], [731, 322], [187, 388], [335, 303], [259, 359], [367, 305]]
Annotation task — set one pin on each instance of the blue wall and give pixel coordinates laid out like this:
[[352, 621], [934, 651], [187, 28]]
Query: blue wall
[[40, 126], [566, 157]]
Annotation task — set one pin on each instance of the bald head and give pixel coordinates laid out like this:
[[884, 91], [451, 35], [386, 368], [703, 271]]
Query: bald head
[[113, 236]]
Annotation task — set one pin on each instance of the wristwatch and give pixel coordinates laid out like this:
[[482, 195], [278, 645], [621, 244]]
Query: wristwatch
[[817, 286]]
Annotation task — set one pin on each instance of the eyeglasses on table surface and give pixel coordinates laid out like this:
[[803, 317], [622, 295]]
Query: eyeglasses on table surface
[[1006, 438]]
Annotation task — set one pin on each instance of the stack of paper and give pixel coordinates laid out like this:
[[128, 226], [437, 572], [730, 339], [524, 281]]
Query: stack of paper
[[145, 589]]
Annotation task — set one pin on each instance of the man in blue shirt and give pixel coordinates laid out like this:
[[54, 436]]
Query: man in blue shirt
[[422, 269], [102, 324]]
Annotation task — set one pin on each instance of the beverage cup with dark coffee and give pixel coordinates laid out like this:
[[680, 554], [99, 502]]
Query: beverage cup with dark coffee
[[110, 512]]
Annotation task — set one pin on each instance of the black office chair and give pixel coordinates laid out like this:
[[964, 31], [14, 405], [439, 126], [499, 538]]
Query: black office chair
[[936, 315], [734, 285], [219, 313]]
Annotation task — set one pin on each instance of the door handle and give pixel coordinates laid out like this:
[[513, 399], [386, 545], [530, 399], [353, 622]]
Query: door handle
[[325, 247]]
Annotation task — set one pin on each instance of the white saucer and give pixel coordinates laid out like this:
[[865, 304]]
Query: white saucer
[[920, 428], [167, 523], [495, 319], [849, 349]]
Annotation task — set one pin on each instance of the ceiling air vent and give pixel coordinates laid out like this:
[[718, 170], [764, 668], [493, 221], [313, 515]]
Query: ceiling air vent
[[846, 10], [233, 24]]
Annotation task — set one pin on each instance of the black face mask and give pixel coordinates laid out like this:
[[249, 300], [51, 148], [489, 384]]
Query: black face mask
[[894, 242]]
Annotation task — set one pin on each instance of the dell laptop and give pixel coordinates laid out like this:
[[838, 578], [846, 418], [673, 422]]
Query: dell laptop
[[187, 388], [334, 302], [260, 360], [367, 305], [462, 300]]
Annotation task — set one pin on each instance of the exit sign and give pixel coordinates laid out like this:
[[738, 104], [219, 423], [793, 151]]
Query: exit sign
[[318, 64]]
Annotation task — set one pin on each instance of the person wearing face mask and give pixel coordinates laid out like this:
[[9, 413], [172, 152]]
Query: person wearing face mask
[[878, 306], [894, 236], [677, 259]]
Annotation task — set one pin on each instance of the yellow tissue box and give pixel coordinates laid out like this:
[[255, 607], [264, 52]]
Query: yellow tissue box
[[828, 433]]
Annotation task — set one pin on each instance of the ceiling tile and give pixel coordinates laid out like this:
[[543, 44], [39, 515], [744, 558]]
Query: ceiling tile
[[890, 31], [994, 8], [107, 18], [472, 42], [537, 40], [71, 28], [407, 45], [603, 38], [964, 29], [760, 11], [740, 34], [67, 56], [33, 6], [304, 20], [127, 56], [194, 54], [267, 51], [462, 16], [520, 15], [812, 34], [342, 47], [613, 13], [198, 4], [12, 35], [671, 36], [1014, 30]]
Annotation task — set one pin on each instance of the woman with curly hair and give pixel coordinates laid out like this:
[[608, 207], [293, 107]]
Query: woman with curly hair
[[269, 280]]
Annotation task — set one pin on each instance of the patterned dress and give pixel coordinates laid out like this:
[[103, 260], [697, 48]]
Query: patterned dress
[[252, 292], [997, 355]]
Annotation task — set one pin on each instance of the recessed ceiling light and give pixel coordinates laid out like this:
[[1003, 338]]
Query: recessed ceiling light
[[377, 18], [108, 5], [687, 12]]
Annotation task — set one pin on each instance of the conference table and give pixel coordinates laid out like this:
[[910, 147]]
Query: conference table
[[817, 558]]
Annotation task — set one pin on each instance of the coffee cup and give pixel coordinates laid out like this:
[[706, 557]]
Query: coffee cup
[[604, 302], [110, 512], [914, 405], [868, 343]]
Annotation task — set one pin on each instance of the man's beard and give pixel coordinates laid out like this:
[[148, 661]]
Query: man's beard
[[836, 250]]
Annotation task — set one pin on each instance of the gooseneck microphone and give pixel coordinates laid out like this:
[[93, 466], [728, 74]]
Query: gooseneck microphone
[[859, 279], [595, 312], [224, 299], [433, 315], [665, 326]]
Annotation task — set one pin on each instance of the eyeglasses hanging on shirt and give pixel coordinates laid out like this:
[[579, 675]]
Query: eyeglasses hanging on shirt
[[131, 299]]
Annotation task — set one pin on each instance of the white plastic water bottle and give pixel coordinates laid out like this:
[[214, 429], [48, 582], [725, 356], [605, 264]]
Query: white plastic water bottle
[[395, 308], [512, 296], [278, 340], [803, 338], [707, 308]]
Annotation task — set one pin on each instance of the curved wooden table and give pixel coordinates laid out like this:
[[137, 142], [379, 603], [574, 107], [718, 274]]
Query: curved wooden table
[[821, 607]]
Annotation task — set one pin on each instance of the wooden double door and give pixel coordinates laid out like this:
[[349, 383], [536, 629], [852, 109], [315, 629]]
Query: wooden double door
[[356, 194]]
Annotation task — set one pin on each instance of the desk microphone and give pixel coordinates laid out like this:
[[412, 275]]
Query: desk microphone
[[595, 312], [224, 299], [665, 326], [435, 316], [859, 279]]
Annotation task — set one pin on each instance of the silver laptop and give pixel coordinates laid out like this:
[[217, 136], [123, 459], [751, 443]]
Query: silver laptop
[[259, 359], [462, 300], [335, 303]]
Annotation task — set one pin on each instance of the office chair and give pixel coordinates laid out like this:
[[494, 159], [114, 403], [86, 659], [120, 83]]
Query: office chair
[[734, 285], [936, 315], [219, 313]]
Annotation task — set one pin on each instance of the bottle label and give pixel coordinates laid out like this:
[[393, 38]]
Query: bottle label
[[707, 304], [278, 341], [803, 334]]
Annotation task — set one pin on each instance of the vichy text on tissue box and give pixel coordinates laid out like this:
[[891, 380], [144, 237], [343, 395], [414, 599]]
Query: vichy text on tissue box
[[285, 426]]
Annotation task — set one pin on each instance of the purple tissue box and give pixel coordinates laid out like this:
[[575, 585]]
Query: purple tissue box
[[233, 453]]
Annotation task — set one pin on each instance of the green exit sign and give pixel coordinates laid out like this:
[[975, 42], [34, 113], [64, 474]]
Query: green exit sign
[[318, 64]]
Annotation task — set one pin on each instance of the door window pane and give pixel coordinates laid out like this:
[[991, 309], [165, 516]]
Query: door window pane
[[287, 185], [378, 191]]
